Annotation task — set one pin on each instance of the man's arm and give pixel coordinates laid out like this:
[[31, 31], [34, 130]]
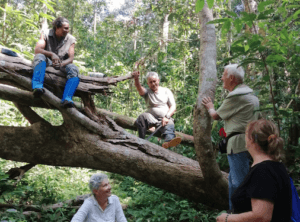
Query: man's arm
[[137, 83], [172, 108], [71, 56], [210, 107], [40, 48]]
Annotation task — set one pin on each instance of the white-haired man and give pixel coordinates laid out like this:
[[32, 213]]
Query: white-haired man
[[161, 106], [237, 110]]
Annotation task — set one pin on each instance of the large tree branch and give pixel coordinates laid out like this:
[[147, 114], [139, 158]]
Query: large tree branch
[[26, 98]]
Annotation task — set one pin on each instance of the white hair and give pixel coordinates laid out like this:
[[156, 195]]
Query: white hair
[[237, 72], [96, 180], [152, 74]]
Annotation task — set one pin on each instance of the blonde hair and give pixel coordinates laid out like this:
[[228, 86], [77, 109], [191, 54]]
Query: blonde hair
[[265, 133]]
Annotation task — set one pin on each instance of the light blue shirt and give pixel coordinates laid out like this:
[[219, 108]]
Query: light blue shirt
[[90, 211]]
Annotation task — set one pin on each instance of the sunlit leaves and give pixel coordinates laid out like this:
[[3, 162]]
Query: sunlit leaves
[[210, 3], [233, 14], [261, 6], [199, 5]]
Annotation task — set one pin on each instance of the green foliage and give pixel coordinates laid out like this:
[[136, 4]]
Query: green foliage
[[152, 204]]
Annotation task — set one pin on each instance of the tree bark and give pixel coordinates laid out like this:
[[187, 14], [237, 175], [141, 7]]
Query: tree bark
[[202, 121], [24, 99], [55, 80]]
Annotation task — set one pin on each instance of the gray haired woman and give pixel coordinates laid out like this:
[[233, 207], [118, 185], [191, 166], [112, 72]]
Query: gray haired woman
[[101, 206]]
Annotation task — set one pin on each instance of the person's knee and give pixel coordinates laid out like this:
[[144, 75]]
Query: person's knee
[[38, 58], [139, 120], [72, 71]]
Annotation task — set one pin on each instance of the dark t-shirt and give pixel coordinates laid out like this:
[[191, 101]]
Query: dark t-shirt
[[267, 180]]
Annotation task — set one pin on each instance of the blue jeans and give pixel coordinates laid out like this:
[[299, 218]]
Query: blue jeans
[[71, 70], [239, 168]]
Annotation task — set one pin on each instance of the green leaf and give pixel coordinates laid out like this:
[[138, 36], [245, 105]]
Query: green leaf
[[226, 26], [238, 25], [199, 5], [292, 6], [255, 44], [248, 17], [48, 6], [295, 15], [233, 14], [238, 49], [246, 48], [275, 59], [262, 16], [266, 78], [262, 5], [210, 3]]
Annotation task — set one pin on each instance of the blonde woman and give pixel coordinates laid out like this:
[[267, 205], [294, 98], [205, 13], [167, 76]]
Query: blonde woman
[[265, 194]]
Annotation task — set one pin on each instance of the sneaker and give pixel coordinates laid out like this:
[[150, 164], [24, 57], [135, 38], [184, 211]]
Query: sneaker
[[38, 92], [172, 143]]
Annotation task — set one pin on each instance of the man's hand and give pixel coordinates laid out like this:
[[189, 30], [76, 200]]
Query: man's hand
[[55, 61], [164, 121], [207, 103], [136, 74]]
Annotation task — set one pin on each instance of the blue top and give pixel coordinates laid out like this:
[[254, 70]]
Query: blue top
[[90, 211]]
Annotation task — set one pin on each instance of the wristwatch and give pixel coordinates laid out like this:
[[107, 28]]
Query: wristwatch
[[168, 116]]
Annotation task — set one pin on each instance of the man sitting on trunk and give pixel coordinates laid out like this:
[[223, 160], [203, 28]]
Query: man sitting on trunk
[[56, 48], [161, 106]]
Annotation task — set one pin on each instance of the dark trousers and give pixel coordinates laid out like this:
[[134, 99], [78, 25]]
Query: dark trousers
[[146, 120]]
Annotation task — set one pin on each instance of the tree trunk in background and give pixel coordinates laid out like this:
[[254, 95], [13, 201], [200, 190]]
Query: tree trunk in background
[[229, 40], [4, 25], [250, 7], [73, 15], [165, 36], [44, 23], [202, 121]]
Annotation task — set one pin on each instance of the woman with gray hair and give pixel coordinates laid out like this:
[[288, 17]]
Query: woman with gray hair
[[101, 206]]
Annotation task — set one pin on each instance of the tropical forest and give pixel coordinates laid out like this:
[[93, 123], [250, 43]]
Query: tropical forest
[[48, 152]]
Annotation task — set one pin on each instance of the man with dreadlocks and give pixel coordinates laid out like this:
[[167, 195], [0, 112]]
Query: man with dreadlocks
[[56, 48]]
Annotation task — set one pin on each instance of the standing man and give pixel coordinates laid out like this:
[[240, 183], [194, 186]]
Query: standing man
[[56, 48], [161, 106], [237, 110]]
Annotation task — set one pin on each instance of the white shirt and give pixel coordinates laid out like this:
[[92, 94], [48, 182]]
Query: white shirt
[[158, 103], [90, 211]]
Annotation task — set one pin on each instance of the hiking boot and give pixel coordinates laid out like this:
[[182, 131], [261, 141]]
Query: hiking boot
[[172, 143], [38, 92]]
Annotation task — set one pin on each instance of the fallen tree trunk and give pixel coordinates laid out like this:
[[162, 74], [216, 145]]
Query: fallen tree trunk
[[97, 142], [27, 99], [55, 80]]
